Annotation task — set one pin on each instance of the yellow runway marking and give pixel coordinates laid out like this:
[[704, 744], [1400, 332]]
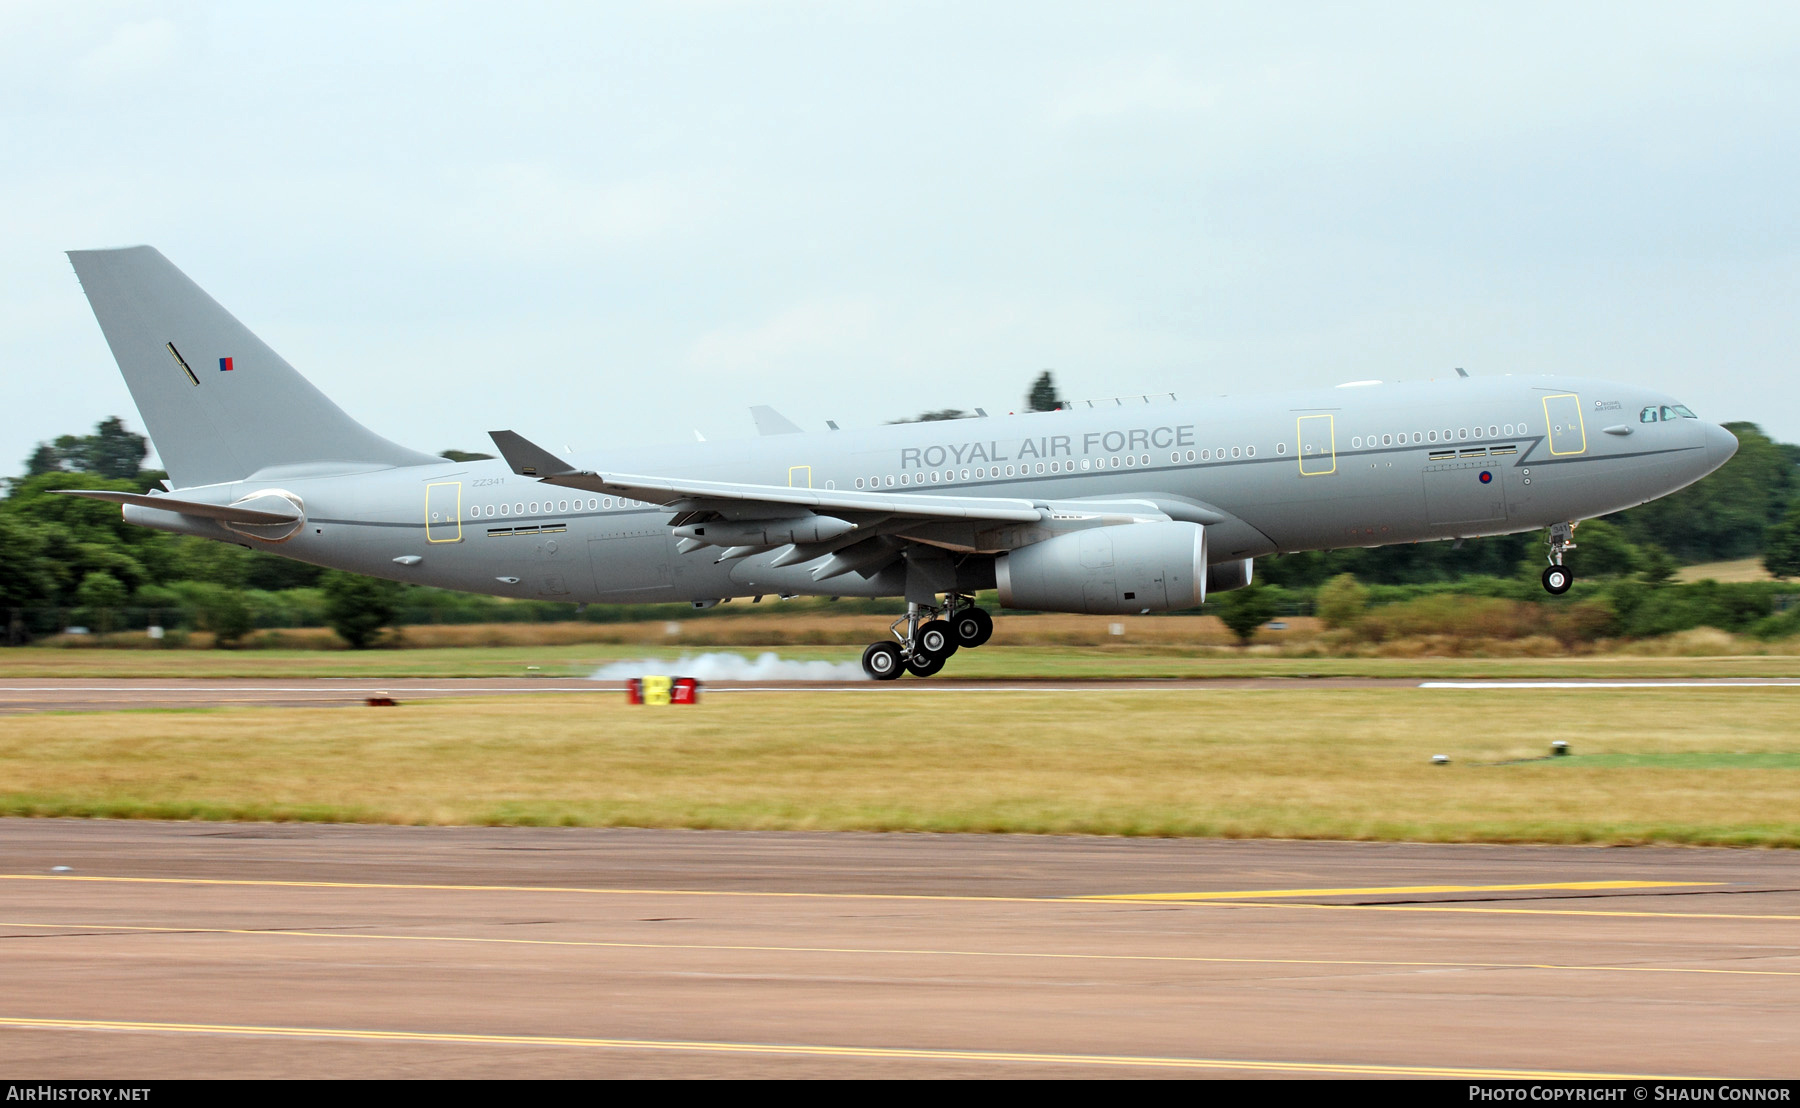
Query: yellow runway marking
[[1113, 899], [1394, 890], [751, 948], [1462, 909], [820, 1050], [1249, 894]]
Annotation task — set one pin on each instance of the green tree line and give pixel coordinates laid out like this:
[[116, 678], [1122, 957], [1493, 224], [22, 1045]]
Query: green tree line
[[68, 560]]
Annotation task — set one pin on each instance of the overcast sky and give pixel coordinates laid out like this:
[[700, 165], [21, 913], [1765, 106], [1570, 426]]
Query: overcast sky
[[615, 224]]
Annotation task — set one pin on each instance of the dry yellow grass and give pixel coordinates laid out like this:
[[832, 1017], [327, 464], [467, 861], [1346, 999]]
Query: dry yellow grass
[[1320, 763], [769, 627], [1742, 569]]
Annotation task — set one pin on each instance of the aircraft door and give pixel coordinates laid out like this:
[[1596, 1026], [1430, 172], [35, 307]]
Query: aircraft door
[[1562, 414], [1317, 435], [443, 511]]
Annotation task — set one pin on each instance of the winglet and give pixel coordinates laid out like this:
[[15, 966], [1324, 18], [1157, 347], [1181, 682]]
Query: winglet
[[771, 422], [527, 458]]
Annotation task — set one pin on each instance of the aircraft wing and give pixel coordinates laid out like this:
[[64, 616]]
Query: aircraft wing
[[529, 460]]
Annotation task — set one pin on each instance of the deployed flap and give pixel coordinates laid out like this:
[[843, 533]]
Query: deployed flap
[[771, 422], [220, 512], [530, 460]]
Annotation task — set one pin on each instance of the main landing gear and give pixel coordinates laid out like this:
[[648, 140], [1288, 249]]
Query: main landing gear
[[1558, 577], [931, 635]]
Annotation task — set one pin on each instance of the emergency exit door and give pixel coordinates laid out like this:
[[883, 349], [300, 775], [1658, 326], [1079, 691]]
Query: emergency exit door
[[1317, 436], [1568, 434], [443, 511]]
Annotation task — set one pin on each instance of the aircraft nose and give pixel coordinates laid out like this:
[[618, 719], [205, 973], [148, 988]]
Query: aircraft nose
[[1720, 446]]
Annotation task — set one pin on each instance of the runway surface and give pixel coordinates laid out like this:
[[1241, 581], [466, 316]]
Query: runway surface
[[177, 950], [105, 694]]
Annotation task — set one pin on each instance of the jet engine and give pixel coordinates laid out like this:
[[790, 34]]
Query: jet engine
[[1225, 576], [1127, 568]]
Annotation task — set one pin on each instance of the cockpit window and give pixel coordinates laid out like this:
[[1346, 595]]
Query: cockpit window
[[1682, 411], [1668, 412], [1648, 415]]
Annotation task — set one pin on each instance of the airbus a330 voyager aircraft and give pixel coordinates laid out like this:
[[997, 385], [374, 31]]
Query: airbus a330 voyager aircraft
[[1115, 508]]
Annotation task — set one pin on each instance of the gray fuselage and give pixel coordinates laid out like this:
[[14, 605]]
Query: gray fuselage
[[1355, 466]]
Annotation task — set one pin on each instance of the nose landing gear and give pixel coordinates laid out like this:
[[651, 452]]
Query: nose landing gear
[[928, 641], [1559, 577]]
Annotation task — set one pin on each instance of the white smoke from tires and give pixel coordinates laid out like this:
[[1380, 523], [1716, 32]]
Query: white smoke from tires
[[767, 666]]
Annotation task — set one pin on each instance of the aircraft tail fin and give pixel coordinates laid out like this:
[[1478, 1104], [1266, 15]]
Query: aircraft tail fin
[[218, 403]]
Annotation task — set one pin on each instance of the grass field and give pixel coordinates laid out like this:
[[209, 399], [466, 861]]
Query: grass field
[[999, 659], [1673, 766]]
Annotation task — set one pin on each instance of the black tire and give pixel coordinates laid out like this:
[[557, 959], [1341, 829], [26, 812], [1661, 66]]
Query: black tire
[[883, 661], [935, 639], [924, 665], [1557, 580], [972, 627]]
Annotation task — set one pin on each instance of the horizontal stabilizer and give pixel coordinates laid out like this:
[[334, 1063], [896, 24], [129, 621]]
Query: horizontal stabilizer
[[221, 512]]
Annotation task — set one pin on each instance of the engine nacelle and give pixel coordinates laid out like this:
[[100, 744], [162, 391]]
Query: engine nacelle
[[1225, 576], [1128, 568]]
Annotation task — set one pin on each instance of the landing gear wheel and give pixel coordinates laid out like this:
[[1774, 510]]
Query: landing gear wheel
[[1557, 580], [924, 665], [935, 640], [972, 627], [883, 661]]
